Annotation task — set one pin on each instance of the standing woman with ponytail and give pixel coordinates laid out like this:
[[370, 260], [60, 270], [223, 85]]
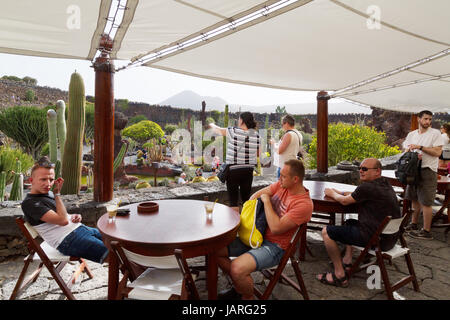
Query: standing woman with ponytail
[[242, 153]]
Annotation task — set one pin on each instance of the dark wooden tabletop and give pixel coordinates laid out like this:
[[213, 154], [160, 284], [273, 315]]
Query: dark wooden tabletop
[[317, 189], [323, 203]]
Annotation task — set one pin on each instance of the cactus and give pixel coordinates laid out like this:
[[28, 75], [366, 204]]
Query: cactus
[[17, 186], [73, 148], [52, 140], [61, 125], [118, 160], [154, 154], [142, 185], [57, 169], [2, 185], [225, 125]]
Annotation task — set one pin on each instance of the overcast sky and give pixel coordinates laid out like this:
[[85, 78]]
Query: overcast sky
[[143, 84]]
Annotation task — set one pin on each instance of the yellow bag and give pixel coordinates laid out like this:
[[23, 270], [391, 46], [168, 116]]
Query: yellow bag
[[253, 223]]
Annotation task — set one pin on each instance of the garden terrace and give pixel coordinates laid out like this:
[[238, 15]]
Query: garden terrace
[[12, 243]]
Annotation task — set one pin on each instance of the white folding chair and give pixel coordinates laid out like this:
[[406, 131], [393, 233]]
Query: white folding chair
[[388, 227], [167, 277], [53, 260]]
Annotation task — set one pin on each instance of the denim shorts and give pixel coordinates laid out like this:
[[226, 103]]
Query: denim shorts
[[84, 242], [266, 256], [349, 233]]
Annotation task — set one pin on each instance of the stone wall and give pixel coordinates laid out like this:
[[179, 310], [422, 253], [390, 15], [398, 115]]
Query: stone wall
[[13, 93], [12, 242]]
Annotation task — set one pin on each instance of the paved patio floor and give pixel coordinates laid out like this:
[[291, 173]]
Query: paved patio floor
[[431, 260]]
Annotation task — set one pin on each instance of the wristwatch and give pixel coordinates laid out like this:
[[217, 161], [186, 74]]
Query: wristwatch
[[420, 147], [56, 194]]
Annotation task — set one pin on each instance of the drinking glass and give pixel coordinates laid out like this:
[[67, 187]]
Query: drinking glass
[[209, 208], [112, 212]]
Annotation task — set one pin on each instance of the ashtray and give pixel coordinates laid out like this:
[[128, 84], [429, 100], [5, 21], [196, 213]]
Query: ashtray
[[147, 207]]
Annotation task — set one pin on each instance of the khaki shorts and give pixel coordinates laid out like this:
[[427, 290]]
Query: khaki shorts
[[425, 191]]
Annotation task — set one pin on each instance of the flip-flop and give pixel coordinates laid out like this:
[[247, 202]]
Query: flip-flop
[[337, 282]]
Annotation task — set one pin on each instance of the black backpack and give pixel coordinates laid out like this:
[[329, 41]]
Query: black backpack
[[408, 168]]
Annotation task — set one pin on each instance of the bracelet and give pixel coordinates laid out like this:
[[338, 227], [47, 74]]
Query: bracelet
[[56, 194]]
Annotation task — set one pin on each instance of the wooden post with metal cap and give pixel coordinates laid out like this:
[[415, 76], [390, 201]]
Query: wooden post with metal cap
[[322, 131], [104, 123]]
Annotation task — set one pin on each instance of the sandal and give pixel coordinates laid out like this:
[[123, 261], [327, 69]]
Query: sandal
[[347, 266], [337, 282]]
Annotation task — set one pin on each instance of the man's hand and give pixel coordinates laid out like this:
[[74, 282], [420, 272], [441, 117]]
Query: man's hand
[[413, 147], [57, 186], [75, 218]]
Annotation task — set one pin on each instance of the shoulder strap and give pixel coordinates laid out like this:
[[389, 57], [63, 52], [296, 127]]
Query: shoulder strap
[[297, 136]]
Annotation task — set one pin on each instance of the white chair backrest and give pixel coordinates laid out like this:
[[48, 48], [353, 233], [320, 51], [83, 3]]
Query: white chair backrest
[[393, 226], [31, 230], [165, 262]]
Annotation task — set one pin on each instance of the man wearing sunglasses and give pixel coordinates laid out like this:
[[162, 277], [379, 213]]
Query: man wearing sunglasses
[[46, 212], [376, 199]]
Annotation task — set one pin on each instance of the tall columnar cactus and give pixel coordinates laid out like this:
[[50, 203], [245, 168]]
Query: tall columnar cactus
[[17, 186], [2, 185], [118, 160], [225, 125], [52, 139], [61, 125], [73, 148], [57, 169]]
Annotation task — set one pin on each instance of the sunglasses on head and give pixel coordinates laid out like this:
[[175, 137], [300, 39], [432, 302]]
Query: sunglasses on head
[[45, 162], [365, 168]]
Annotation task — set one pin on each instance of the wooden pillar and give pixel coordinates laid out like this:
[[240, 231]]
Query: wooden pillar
[[414, 122], [104, 124], [322, 131]]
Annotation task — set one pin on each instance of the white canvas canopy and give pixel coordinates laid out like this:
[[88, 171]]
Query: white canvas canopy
[[392, 54]]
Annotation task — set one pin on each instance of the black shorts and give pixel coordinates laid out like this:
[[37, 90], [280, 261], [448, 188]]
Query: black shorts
[[349, 233]]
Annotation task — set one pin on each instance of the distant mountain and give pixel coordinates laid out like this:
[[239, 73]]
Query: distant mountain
[[305, 108], [189, 99]]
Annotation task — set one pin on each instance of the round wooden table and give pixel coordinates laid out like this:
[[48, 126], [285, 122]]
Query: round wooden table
[[179, 224]]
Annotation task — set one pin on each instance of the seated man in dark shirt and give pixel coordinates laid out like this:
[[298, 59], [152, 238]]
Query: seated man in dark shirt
[[376, 200], [46, 212]]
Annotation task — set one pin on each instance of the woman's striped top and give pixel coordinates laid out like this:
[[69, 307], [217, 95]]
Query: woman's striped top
[[242, 146]]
